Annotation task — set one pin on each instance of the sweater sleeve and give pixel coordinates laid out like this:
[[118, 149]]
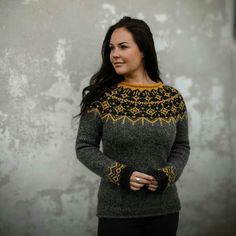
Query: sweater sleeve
[[88, 152], [179, 152]]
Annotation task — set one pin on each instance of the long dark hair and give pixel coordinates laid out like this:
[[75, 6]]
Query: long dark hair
[[106, 76]]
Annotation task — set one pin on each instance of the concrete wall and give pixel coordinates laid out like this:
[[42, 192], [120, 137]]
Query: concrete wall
[[49, 49]]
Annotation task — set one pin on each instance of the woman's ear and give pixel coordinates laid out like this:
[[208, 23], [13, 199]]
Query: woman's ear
[[142, 55]]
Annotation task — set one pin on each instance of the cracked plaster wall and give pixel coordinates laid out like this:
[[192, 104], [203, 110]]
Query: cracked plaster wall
[[49, 49]]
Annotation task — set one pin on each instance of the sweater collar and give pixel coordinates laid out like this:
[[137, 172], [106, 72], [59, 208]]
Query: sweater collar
[[140, 86]]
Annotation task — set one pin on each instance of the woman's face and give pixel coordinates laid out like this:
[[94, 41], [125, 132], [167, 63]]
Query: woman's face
[[125, 55]]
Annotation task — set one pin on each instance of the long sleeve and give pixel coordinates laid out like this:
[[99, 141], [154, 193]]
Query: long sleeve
[[179, 153], [88, 152]]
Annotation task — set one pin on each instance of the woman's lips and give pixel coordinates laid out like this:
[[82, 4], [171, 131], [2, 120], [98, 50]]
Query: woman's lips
[[118, 63]]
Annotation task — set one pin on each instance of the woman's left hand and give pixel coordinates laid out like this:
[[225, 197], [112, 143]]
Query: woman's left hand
[[153, 186]]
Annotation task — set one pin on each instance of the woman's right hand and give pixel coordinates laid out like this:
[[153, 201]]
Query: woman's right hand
[[139, 179]]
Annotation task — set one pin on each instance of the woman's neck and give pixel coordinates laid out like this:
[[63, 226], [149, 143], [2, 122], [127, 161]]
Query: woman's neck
[[141, 78]]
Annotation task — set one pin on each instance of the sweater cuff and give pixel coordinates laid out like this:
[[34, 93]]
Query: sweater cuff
[[161, 178], [125, 177], [169, 172], [119, 174]]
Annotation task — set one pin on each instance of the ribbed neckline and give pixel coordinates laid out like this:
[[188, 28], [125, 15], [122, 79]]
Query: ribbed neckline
[[141, 86]]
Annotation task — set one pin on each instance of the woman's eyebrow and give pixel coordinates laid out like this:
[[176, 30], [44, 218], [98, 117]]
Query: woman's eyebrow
[[119, 43]]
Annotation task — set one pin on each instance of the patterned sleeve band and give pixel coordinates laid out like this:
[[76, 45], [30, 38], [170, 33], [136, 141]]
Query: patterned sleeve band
[[168, 170], [119, 174]]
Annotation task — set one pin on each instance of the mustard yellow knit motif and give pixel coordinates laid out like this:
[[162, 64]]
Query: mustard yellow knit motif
[[163, 104], [114, 173], [170, 174]]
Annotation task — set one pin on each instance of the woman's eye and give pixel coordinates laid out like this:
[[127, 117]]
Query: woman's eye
[[123, 46]]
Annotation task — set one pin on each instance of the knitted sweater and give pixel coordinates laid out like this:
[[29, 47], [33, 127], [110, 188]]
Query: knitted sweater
[[142, 128]]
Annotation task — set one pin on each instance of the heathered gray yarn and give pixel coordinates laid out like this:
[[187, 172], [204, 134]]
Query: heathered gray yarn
[[141, 139]]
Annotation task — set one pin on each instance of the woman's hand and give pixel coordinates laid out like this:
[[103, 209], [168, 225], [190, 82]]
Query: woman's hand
[[153, 186], [139, 179]]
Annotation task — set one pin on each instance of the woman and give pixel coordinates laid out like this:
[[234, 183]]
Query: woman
[[144, 130]]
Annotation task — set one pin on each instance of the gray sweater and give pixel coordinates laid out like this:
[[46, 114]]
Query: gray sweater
[[143, 128]]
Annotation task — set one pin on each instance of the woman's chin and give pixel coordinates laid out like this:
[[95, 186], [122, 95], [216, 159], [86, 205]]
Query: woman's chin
[[119, 73]]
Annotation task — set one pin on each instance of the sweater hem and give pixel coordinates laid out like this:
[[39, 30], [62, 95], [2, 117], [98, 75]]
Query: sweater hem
[[138, 216]]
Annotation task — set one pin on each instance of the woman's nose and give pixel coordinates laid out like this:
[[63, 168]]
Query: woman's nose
[[115, 52]]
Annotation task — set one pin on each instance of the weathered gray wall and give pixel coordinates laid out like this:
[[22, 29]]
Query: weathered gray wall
[[48, 50]]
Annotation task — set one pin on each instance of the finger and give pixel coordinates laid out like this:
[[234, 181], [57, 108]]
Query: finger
[[142, 176], [134, 189], [155, 182], [140, 180], [136, 185], [134, 177], [146, 177], [152, 189], [153, 186]]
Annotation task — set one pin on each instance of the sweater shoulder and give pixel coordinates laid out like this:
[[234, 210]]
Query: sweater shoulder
[[174, 92], [172, 89]]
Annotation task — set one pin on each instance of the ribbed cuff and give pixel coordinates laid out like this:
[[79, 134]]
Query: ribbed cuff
[[125, 177], [161, 178]]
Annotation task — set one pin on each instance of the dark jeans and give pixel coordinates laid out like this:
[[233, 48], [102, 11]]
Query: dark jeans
[[165, 225]]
